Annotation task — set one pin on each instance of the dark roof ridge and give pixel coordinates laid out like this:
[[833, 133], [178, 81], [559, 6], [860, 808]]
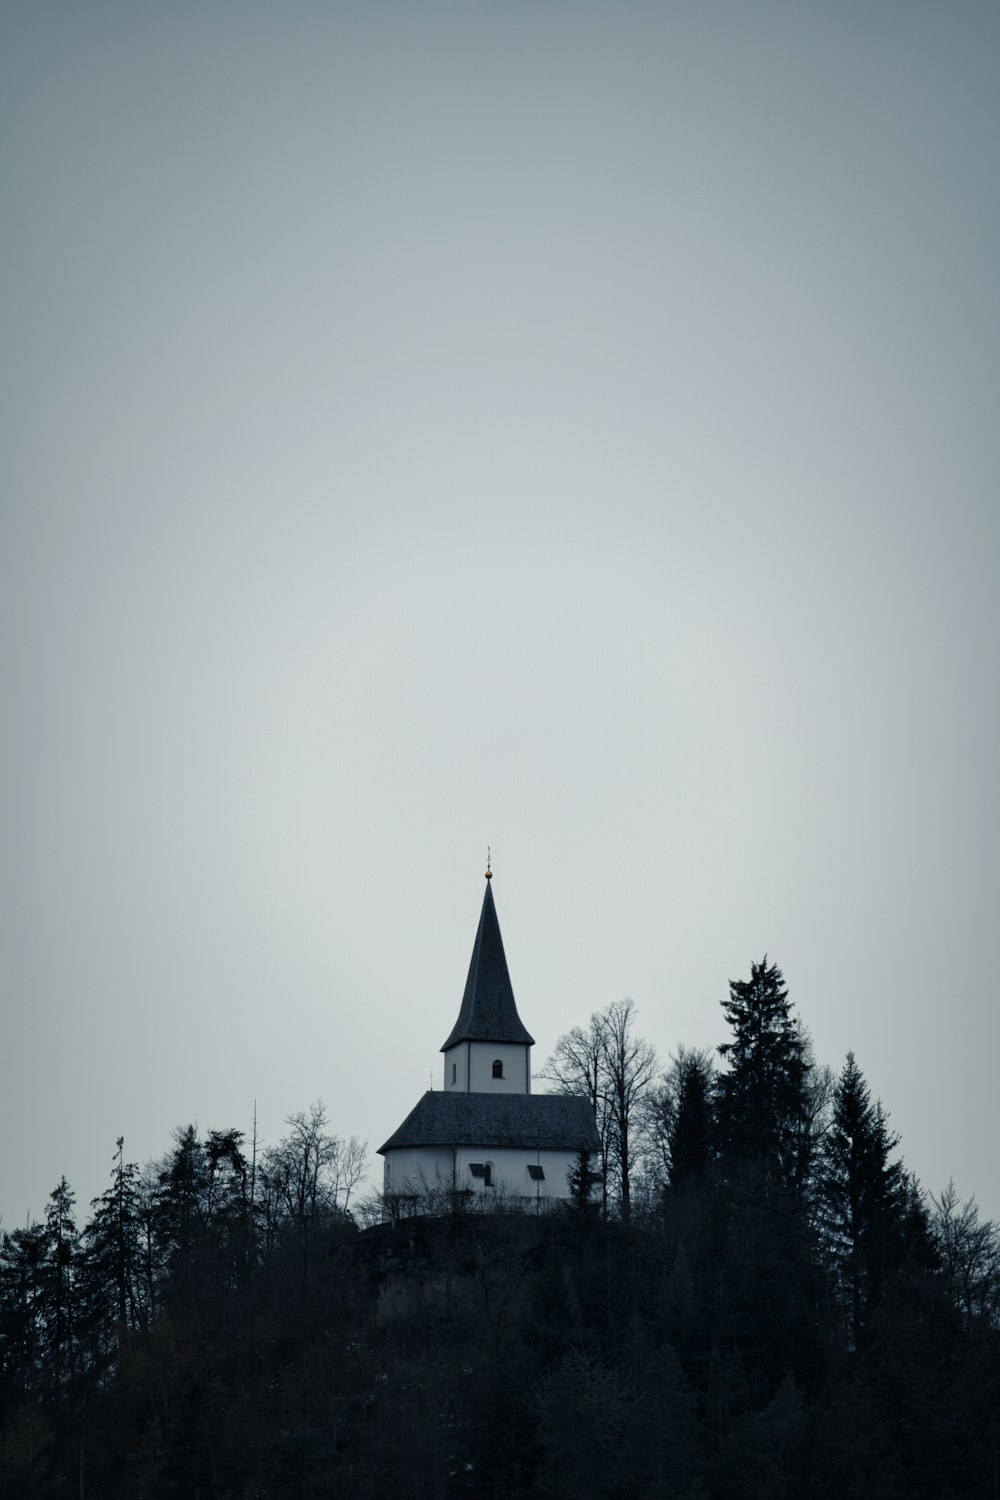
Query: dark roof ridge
[[513, 1121]]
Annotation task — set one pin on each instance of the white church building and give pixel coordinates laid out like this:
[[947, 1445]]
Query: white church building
[[484, 1132]]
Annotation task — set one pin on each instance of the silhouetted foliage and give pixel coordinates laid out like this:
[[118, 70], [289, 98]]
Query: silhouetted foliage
[[763, 1102], [583, 1180], [790, 1321], [113, 1259], [863, 1197], [689, 1124], [614, 1068]]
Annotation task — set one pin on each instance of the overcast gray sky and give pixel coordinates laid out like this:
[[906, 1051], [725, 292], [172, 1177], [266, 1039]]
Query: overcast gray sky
[[567, 427]]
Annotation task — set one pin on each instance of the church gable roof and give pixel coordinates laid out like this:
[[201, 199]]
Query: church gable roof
[[488, 1012], [552, 1122]]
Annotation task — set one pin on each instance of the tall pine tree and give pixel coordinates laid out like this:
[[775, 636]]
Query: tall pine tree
[[864, 1199], [23, 1260], [60, 1284], [113, 1258], [690, 1126], [763, 1103]]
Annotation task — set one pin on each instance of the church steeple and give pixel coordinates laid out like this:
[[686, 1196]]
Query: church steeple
[[484, 1129], [488, 1012]]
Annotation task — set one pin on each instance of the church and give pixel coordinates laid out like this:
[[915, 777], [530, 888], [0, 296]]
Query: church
[[484, 1135]]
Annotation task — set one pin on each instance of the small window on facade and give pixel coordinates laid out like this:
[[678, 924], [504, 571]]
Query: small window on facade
[[536, 1173], [454, 1071], [498, 1069], [478, 1169]]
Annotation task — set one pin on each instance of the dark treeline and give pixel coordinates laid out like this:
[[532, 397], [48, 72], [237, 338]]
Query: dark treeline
[[748, 1296]]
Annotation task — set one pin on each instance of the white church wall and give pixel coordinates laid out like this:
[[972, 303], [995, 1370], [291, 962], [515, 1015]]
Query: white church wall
[[422, 1171], [509, 1171], [468, 1068], [419, 1169], [515, 1068], [456, 1069]]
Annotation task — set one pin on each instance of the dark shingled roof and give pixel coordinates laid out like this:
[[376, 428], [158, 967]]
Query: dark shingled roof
[[554, 1122], [488, 1011]]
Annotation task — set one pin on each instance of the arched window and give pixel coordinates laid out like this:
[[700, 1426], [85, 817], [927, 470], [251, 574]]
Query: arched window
[[488, 1175], [498, 1068]]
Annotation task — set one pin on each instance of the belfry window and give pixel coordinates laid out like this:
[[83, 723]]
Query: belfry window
[[454, 1071], [498, 1068]]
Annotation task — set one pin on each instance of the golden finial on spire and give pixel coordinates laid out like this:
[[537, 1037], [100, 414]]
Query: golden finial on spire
[[489, 872]]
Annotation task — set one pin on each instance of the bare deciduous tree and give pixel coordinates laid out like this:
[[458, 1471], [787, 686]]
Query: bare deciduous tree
[[348, 1169], [970, 1256], [629, 1069], [614, 1068], [577, 1067], [308, 1177]]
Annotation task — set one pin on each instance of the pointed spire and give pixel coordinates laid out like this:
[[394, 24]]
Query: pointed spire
[[488, 1012]]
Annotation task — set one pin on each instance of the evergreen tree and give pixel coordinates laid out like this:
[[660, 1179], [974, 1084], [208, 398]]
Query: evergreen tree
[[23, 1256], [583, 1412], [180, 1220], [582, 1180], [59, 1285], [690, 1123], [112, 1262], [227, 1204], [763, 1101], [866, 1208]]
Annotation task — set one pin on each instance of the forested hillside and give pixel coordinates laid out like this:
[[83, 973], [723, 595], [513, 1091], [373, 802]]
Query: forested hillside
[[749, 1296]]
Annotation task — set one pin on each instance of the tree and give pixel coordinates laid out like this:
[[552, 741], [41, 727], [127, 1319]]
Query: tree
[[307, 1180], [614, 1069], [583, 1411], [180, 1201], [314, 1170], [683, 1118], [763, 1099], [23, 1255], [863, 1196], [227, 1205], [576, 1066], [349, 1167], [629, 1066], [970, 1258], [582, 1180], [112, 1273], [150, 1272], [60, 1273]]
